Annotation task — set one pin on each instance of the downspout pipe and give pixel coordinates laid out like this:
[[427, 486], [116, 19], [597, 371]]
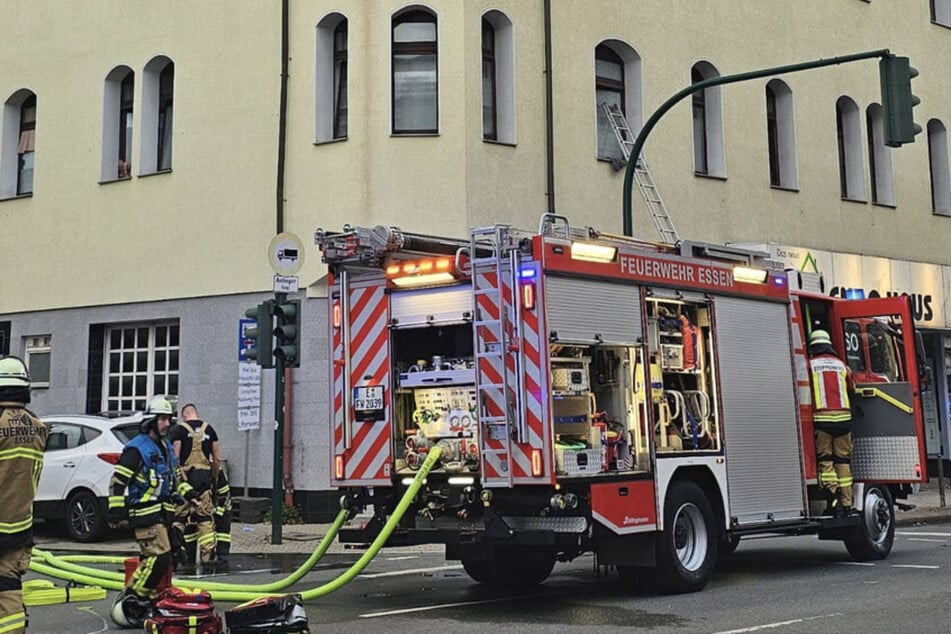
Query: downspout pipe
[[282, 119], [549, 123], [288, 480]]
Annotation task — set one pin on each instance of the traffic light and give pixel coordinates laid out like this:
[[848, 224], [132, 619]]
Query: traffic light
[[287, 332], [259, 335], [897, 100]]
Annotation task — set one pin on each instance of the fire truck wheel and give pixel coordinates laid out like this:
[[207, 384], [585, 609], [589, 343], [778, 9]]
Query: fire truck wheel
[[687, 549], [511, 567], [872, 539]]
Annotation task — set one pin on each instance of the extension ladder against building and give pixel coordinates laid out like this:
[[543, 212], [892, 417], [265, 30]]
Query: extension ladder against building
[[655, 204]]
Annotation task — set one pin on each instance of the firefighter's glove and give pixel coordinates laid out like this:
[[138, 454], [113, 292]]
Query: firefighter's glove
[[177, 499], [117, 516]]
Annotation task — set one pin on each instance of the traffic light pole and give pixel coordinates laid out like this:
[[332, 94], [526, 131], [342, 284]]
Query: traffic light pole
[[717, 81], [277, 488]]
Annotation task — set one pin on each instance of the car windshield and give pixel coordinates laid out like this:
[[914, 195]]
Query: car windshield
[[126, 432]]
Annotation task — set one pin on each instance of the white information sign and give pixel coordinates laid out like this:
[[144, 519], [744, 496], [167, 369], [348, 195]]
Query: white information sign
[[249, 418], [249, 396], [285, 283]]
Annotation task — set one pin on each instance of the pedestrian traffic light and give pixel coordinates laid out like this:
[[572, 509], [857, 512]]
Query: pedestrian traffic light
[[897, 100], [258, 336], [287, 332]]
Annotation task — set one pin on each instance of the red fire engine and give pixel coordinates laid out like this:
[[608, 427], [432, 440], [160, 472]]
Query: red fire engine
[[649, 403]]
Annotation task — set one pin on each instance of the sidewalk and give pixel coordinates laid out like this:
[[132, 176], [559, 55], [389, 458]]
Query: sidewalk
[[304, 538]]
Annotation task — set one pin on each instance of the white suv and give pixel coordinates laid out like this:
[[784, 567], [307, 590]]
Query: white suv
[[81, 453]]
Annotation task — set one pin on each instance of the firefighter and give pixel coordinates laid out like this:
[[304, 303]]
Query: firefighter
[[223, 514], [145, 486], [196, 446], [22, 442], [832, 417]]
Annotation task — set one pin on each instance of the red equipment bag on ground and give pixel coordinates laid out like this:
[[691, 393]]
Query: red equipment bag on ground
[[180, 612], [283, 614]]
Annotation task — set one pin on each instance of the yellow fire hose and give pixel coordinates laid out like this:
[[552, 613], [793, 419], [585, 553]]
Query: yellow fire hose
[[67, 563], [44, 592], [56, 567]]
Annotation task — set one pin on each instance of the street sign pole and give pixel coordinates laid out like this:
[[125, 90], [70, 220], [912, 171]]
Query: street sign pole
[[277, 488]]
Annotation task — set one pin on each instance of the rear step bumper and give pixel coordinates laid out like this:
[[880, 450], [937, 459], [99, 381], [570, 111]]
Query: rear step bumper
[[448, 530]]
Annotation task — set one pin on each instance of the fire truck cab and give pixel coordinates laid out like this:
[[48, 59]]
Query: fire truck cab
[[649, 403]]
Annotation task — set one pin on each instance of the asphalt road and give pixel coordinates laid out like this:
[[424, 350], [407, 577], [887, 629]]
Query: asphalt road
[[775, 585]]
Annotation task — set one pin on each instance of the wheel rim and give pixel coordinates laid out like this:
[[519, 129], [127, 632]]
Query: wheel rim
[[877, 515], [82, 516], [690, 537]]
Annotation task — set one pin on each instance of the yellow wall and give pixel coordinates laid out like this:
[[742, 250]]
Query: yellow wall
[[208, 223]]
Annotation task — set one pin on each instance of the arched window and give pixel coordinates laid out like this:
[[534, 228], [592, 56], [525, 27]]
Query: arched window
[[117, 119], [17, 144], [332, 42], [617, 82], [879, 158], [158, 97], [708, 152], [940, 168], [498, 78], [415, 72], [781, 136], [849, 135]]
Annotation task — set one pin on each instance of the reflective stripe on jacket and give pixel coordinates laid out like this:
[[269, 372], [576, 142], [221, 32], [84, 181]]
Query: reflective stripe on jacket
[[831, 383]]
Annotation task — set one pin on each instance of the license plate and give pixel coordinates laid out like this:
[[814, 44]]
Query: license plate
[[368, 399]]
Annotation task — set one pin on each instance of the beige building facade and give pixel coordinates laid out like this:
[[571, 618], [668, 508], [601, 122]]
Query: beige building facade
[[149, 152]]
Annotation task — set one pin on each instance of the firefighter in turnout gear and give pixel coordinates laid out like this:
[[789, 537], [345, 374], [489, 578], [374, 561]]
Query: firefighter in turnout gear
[[145, 487], [223, 514], [196, 446], [22, 441], [832, 386]]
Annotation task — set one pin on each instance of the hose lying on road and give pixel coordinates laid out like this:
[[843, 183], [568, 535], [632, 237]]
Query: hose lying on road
[[44, 592], [68, 563], [56, 567]]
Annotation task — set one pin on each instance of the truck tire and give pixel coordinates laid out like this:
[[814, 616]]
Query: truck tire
[[873, 538], [687, 549], [511, 567]]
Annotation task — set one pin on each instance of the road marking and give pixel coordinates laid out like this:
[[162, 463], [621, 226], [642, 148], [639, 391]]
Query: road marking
[[916, 534], [767, 626], [105, 624], [922, 567], [925, 539], [854, 563], [440, 606], [414, 571], [403, 558]]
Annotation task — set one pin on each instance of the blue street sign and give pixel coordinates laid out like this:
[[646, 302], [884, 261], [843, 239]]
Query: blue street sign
[[244, 344]]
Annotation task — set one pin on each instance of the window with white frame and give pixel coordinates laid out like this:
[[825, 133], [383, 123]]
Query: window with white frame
[[781, 136], [141, 361], [415, 72], [158, 96], [617, 83], [37, 350], [117, 111], [331, 111], [848, 126], [941, 12], [709, 158], [498, 78], [17, 150], [879, 158], [939, 168]]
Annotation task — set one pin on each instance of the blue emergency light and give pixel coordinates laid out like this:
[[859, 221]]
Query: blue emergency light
[[855, 293]]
